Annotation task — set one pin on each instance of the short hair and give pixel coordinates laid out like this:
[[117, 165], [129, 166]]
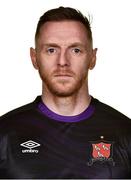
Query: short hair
[[61, 14]]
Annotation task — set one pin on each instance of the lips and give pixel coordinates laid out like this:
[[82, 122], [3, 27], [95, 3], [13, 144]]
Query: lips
[[63, 75]]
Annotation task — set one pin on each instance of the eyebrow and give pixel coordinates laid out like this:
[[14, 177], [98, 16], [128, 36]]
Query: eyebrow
[[56, 45], [76, 44], [50, 44]]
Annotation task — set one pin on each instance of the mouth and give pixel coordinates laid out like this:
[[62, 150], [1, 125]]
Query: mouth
[[63, 75]]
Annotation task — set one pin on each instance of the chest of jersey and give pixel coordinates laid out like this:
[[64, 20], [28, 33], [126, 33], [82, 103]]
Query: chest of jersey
[[64, 150]]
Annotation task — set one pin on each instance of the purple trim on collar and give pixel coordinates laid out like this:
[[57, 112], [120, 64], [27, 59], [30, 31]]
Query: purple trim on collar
[[82, 116]]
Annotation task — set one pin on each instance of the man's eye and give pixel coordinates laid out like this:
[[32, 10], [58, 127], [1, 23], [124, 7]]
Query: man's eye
[[51, 50], [76, 50]]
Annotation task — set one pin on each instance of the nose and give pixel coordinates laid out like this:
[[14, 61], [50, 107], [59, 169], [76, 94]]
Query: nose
[[63, 59]]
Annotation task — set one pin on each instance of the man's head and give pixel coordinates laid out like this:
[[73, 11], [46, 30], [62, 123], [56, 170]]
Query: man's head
[[63, 53], [61, 14]]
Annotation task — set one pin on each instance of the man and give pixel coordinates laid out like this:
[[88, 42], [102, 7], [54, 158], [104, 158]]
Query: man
[[65, 132]]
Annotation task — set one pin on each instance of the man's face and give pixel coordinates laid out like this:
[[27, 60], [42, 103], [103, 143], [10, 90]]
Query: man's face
[[63, 56]]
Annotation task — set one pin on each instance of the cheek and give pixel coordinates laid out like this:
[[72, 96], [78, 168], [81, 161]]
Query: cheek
[[42, 61], [81, 66], [45, 67]]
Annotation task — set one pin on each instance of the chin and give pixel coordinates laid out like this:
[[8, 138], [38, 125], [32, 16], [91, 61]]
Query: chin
[[63, 88], [63, 91]]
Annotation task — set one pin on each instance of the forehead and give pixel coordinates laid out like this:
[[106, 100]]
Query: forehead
[[63, 32]]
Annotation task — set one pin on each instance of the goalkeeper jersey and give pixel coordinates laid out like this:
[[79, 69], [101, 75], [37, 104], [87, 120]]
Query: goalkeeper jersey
[[37, 143]]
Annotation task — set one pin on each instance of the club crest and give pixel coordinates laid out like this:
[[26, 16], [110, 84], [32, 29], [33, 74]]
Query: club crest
[[101, 151]]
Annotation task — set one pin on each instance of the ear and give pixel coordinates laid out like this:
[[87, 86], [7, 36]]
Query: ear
[[33, 57], [93, 59]]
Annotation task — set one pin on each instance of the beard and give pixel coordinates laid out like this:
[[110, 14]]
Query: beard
[[61, 86]]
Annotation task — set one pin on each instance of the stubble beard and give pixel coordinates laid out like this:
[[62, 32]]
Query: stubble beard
[[62, 87]]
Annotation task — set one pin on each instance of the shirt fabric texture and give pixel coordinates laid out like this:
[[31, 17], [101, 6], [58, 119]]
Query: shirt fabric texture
[[36, 143]]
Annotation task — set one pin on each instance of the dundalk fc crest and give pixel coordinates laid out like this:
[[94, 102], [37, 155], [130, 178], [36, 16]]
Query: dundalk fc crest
[[101, 151]]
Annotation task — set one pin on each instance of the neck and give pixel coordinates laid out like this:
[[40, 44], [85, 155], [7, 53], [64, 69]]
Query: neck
[[67, 106]]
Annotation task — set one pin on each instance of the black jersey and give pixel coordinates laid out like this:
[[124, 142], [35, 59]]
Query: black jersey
[[37, 143]]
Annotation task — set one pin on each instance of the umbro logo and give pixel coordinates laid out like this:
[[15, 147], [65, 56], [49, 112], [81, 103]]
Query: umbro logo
[[30, 145]]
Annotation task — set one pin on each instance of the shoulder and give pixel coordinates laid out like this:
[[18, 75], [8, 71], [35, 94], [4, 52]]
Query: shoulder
[[20, 110], [110, 112], [19, 113]]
